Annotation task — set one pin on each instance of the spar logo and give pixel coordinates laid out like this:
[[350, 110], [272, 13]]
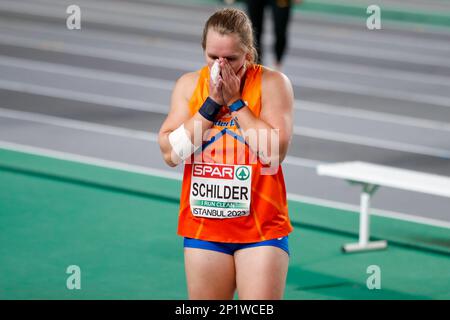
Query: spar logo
[[242, 173], [214, 171]]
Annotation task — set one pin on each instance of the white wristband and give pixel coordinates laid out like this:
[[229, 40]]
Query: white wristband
[[181, 143]]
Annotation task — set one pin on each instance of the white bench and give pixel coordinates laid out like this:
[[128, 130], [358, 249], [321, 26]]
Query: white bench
[[371, 177]]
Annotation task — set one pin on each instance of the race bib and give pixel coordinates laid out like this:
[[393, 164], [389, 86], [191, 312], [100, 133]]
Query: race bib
[[220, 190]]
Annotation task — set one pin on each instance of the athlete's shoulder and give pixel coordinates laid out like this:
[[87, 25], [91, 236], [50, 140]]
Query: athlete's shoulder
[[275, 81], [272, 76], [187, 82], [189, 77]]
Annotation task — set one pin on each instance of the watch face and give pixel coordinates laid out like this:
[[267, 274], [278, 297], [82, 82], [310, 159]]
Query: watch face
[[237, 105]]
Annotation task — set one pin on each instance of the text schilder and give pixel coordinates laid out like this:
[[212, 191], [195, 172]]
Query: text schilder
[[220, 190]]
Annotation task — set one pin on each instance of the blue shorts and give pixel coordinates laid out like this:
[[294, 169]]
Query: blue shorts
[[231, 248]]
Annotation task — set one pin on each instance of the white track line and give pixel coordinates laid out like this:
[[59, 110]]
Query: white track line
[[190, 29], [94, 74], [55, 34], [115, 131], [79, 125], [373, 211], [301, 131], [371, 142], [371, 91], [194, 17], [291, 61], [368, 71], [168, 85], [370, 115], [90, 160], [296, 80], [375, 53], [302, 162], [82, 50], [177, 176], [82, 96], [149, 136], [407, 41]]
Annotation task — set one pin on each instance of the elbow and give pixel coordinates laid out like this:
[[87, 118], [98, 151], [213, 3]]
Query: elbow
[[277, 157], [168, 159], [166, 149], [284, 147]]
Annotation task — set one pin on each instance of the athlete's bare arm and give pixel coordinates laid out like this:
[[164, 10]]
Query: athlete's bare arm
[[277, 104], [179, 114]]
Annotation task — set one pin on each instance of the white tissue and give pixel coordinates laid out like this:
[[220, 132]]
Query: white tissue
[[215, 70]]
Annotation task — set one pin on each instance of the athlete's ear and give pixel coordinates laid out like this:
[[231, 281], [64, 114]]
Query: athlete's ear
[[248, 57]]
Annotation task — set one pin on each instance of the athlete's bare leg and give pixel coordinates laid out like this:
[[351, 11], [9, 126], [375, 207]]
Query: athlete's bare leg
[[261, 273], [209, 274]]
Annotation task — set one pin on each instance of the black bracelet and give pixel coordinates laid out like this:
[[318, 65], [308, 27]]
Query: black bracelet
[[209, 109]]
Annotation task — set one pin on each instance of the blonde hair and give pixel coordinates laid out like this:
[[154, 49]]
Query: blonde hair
[[232, 21]]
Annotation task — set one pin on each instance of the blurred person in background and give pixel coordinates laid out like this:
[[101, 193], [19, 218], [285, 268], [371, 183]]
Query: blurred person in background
[[281, 12]]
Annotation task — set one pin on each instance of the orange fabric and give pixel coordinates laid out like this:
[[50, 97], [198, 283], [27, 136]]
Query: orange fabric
[[268, 217]]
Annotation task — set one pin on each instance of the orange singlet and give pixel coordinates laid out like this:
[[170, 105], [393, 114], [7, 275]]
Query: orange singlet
[[225, 197]]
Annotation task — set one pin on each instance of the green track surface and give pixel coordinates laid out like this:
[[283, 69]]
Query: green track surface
[[359, 10], [120, 229]]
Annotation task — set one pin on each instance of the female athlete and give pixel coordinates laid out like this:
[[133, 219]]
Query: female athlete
[[231, 128]]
